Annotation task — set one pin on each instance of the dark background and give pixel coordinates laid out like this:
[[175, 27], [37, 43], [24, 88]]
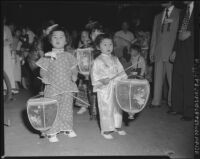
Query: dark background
[[75, 14]]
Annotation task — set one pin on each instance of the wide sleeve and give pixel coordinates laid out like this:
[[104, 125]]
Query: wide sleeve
[[43, 63], [98, 73], [121, 70]]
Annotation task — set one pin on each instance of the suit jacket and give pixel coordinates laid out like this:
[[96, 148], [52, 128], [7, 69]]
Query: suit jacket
[[188, 44], [162, 43]]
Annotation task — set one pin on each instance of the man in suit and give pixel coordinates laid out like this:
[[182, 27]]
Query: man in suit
[[183, 57], [162, 43]]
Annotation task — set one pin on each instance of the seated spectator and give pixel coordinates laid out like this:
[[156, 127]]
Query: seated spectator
[[138, 61]]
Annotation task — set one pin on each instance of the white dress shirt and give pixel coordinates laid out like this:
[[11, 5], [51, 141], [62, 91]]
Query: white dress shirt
[[169, 12], [191, 7]]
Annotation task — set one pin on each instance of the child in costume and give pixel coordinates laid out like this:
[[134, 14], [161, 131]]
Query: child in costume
[[105, 67], [59, 73]]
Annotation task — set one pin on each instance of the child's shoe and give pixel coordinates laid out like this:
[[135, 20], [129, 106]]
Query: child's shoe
[[120, 132], [82, 110], [53, 138], [107, 136], [70, 133]]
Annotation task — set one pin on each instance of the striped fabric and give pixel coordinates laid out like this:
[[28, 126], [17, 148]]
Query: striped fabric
[[185, 20]]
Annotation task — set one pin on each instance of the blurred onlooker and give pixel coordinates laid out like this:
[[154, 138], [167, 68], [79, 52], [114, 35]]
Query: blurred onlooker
[[25, 48], [17, 56], [34, 55], [8, 65], [123, 39], [25, 41], [12, 27], [30, 34]]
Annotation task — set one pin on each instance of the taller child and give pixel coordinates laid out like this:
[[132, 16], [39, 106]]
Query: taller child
[[59, 73]]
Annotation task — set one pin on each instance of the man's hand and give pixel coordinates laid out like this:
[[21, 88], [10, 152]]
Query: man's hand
[[172, 56], [184, 35]]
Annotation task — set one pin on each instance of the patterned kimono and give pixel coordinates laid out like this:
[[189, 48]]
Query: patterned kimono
[[61, 74], [106, 66]]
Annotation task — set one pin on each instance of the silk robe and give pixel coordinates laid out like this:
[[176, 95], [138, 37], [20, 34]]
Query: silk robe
[[106, 66]]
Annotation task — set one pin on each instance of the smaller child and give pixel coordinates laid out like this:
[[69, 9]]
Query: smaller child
[[138, 61], [139, 65]]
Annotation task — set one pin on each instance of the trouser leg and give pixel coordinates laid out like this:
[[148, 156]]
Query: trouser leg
[[158, 82]]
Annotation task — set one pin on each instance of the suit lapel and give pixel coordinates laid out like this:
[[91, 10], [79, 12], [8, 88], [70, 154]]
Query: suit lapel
[[173, 13], [159, 22]]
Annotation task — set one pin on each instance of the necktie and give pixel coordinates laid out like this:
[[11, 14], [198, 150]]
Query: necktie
[[185, 20], [166, 17], [167, 13]]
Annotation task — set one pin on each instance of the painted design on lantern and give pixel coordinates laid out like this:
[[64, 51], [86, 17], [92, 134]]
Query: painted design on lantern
[[36, 120], [140, 96]]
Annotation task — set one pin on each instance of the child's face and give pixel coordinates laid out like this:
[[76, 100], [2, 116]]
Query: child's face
[[85, 37], [106, 46], [94, 34], [18, 33], [134, 52], [23, 31], [58, 39]]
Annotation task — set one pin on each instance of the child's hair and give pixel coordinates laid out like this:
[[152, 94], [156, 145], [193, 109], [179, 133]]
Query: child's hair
[[57, 28], [101, 37], [98, 41], [96, 26], [135, 46]]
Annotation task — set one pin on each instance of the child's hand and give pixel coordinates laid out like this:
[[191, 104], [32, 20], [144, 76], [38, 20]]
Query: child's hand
[[172, 56], [74, 78], [152, 58], [105, 81], [44, 80]]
